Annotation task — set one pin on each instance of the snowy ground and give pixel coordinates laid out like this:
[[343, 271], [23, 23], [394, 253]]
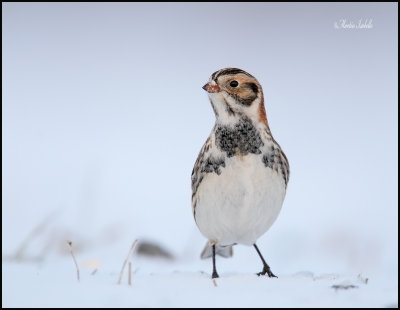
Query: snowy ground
[[47, 278], [179, 285]]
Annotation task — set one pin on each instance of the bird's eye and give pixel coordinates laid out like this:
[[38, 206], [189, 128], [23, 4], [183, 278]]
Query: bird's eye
[[234, 83]]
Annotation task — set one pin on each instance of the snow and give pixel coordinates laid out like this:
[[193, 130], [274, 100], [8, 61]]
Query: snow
[[103, 116], [51, 281], [178, 285]]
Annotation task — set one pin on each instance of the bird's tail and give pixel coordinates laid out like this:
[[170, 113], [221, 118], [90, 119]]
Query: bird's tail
[[224, 251]]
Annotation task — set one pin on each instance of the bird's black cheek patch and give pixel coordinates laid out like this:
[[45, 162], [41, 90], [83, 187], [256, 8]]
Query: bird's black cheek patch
[[247, 99], [247, 95], [242, 99], [253, 87], [250, 95]]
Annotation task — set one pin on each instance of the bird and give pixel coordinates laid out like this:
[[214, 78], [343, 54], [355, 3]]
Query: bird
[[240, 177]]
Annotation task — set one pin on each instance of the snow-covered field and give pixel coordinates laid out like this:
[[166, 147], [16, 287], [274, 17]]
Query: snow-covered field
[[184, 281], [341, 271], [178, 286], [103, 116]]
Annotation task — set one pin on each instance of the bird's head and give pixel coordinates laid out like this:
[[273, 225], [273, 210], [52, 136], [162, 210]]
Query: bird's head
[[234, 93]]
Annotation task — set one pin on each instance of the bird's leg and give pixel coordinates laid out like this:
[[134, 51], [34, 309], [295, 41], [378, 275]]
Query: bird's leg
[[214, 273], [266, 269]]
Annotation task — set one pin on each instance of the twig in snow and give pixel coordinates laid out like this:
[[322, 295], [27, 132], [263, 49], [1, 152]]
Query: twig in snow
[[215, 282], [126, 260], [362, 279], [74, 259], [130, 273]]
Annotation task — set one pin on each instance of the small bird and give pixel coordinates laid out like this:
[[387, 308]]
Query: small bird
[[240, 177]]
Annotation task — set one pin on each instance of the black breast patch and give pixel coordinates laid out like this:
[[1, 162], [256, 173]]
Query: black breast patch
[[241, 139]]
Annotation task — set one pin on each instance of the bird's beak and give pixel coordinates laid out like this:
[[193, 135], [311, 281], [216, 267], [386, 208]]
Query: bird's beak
[[212, 88]]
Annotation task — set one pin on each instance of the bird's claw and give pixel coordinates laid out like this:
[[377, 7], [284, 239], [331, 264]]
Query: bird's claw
[[268, 272]]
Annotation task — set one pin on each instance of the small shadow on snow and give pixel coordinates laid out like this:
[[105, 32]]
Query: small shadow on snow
[[337, 287], [152, 249]]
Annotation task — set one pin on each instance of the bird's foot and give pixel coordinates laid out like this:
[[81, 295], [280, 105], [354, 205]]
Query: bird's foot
[[214, 275], [267, 270]]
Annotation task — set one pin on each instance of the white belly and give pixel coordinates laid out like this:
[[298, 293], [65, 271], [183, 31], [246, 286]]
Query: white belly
[[240, 204]]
